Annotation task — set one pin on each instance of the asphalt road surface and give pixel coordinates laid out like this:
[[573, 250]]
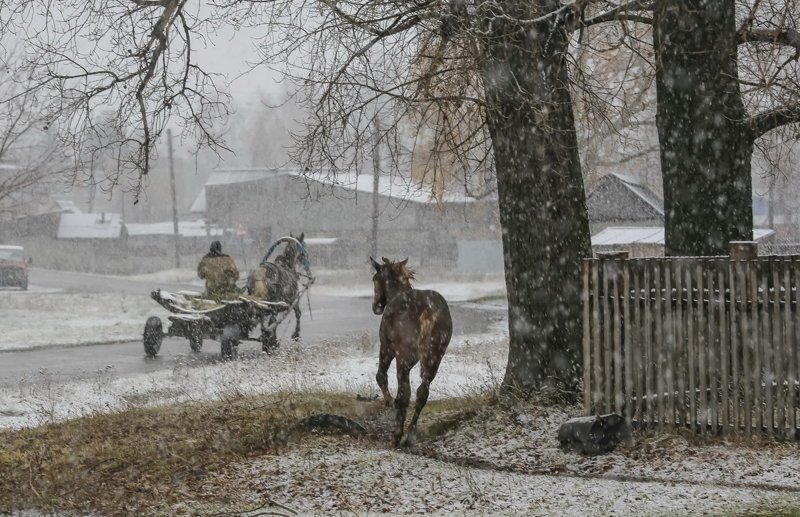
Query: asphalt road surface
[[331, 318]]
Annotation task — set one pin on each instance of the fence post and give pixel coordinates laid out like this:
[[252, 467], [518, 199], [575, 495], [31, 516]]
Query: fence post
[[743, 250]]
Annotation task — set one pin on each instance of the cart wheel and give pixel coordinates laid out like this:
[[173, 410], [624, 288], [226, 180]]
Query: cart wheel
[[229, 341], [195, 340], [269, 338], [153, 335]]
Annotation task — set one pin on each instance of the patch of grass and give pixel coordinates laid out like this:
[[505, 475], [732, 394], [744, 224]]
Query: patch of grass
[[129, 461], [147, 460]]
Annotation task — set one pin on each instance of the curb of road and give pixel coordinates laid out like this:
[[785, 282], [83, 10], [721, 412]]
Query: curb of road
[[114, 341]]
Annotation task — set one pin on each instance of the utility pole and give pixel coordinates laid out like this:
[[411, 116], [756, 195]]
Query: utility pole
[[376, 173], [174, 201]]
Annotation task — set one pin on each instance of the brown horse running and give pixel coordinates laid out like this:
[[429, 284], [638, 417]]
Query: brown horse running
[[416, 327]]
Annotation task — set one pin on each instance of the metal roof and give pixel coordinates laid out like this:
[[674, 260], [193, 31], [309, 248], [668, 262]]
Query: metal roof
[[394, 186], [621, 235], [104, 225], [185, 229]]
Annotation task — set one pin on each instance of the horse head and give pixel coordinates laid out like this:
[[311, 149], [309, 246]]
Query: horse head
[[294, 253], [389, 279]]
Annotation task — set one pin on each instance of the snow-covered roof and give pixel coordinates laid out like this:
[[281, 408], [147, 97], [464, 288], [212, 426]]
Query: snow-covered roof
[[9, 247], [185, 229], [393, 186], [644, 193], [622, 235], [104, 225]]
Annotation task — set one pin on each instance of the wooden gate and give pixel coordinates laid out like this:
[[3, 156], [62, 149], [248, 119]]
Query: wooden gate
[[709, 343]]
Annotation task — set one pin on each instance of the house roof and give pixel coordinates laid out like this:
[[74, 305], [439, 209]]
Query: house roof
[[185, 229], [626, 235], [105, 225], [393, 186], [634, 186]]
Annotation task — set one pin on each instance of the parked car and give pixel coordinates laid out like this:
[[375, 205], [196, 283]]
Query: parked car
[[14, 267]]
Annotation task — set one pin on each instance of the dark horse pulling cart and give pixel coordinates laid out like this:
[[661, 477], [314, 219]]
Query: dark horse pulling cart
[[273, 290]]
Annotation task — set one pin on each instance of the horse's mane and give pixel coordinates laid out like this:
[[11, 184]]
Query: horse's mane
[[401, 269]]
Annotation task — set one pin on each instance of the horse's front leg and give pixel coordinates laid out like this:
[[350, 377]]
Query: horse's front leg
[[382, 377], [402, 400], [297, 313]]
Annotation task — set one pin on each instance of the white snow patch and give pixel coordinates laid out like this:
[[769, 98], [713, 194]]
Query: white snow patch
[[37, 319], [341, 476], [347, 366]]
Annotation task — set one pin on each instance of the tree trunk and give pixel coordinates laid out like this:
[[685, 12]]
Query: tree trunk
[[705, 148], [542, 202]]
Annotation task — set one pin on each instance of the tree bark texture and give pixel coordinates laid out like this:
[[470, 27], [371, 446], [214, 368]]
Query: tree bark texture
[[542, 203], [704, 143]]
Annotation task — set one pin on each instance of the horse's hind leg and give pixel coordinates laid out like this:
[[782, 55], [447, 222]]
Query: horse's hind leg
[[297, 313], [401, 401]]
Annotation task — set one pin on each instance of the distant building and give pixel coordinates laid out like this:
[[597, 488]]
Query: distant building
[[264, 204]]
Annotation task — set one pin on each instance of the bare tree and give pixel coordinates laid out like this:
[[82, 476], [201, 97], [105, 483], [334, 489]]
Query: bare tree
[[134, 57], [30, 161], [727, 75]]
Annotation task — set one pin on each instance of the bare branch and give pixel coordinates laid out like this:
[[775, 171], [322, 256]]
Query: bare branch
[[772, 119]]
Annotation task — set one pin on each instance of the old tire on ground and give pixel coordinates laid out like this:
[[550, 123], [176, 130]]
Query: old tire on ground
[[153, 335], [229, 341]]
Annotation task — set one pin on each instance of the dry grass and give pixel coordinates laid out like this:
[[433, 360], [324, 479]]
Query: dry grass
[[146, 460]]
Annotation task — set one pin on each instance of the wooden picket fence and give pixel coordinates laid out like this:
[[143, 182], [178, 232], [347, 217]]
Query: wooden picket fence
[[708, 343]]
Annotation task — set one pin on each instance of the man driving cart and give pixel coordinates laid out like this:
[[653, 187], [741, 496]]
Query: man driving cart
[[220, 273]]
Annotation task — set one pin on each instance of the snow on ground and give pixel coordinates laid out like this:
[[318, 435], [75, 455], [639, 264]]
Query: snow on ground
[[473, 363], [37, 319], [341, 476]]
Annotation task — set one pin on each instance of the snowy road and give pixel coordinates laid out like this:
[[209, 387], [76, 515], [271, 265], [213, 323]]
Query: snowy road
[[335, 318]]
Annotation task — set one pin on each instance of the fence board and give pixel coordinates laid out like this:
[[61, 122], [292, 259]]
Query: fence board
[[679, 361], [755, 343], [777, 341], [638, 319], [690, 348], [768, 373], [702, 349], [587, 339], [626, 316]]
